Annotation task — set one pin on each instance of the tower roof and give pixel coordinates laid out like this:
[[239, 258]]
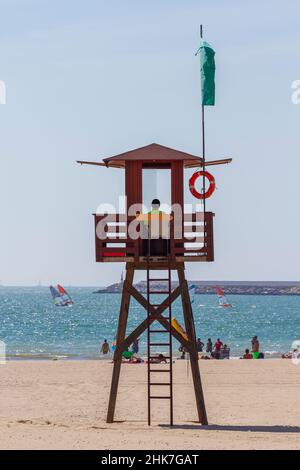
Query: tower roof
[[153, 153]]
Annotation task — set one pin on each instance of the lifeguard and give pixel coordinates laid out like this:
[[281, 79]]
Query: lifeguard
[[155, 230]]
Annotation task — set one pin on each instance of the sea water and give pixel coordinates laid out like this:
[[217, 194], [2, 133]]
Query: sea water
[[31, 325]]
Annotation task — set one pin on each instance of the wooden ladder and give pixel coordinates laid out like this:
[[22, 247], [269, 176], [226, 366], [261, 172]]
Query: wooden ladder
[[167, 343]]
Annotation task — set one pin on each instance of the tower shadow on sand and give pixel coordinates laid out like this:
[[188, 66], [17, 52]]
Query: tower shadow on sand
[[250, 428]]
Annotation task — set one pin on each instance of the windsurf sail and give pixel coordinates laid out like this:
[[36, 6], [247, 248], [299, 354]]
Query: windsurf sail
[[223, 302], [65, 297], [55, 294], [192, 290], [60, 296]]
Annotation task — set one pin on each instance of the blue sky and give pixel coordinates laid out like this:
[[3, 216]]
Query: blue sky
[[88, 79]]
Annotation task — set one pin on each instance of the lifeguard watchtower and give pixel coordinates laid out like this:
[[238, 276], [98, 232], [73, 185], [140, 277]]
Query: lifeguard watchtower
[[189, 239]]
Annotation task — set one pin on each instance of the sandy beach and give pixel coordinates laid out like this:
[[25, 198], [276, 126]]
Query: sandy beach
[[62, 405]]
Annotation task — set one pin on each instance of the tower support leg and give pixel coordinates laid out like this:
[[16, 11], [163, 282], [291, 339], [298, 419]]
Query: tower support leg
[[123, 317], [156, 313], [190, 330]]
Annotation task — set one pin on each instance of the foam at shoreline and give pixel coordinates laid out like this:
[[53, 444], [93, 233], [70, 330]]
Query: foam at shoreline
[[72, 357]]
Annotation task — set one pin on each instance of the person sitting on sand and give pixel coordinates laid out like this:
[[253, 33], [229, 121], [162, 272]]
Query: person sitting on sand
[[105, 349], [127, 354], [291, 354], [288, 355], [130, 357], [247, 354], [225, 352], [162, 358], [135, 359], [159, 359]]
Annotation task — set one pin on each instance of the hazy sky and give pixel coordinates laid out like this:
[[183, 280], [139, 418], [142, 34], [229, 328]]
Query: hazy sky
[[88, 79]]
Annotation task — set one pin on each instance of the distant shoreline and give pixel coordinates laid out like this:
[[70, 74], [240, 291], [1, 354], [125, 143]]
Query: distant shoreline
[[227, 293], [209, 288], [265, 289]]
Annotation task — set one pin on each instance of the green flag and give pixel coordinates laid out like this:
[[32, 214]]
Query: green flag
[[207, 70]]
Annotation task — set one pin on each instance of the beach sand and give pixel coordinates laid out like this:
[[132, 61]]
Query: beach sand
[[62, 405]]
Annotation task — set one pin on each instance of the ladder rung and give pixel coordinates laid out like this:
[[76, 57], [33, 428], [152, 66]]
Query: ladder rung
[[160, 370], [160, 398], [156, 357], [159, 318], [159, 292], [159, 331], [158, 279], [159, 344], [161, 383]]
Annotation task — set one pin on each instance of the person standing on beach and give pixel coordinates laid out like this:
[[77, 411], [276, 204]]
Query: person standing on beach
[[255, 348], [105, 349], [218, 346], [199, 345], [255, 344], [183, 351], [135, 346], [209, 346]]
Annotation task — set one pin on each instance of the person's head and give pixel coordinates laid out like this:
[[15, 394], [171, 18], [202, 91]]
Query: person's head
[[247, 351], [155, 204], [225, 346], [255, 338], [199, 340], [105, 341], [209, 339], [218, 340]]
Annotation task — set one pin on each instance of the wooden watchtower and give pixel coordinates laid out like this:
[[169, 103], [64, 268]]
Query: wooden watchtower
[[190, 240]]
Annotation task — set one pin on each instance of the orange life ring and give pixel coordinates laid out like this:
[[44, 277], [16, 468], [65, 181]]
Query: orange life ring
[[212, 184]]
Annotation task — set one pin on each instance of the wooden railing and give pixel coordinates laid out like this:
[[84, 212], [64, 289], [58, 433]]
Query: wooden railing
[[195, 240]]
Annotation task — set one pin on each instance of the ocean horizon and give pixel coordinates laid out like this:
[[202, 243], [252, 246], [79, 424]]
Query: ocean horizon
[[33, 328]]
